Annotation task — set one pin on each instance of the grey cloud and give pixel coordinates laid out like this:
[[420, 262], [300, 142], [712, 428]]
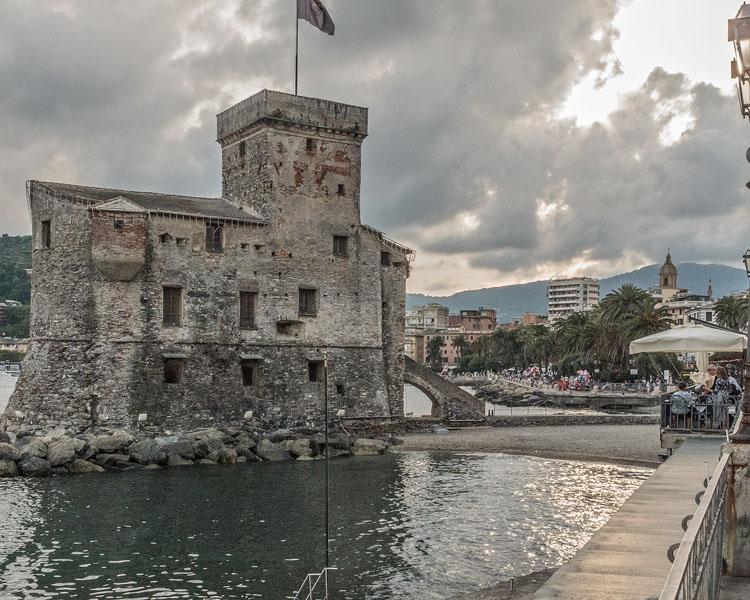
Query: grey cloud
[[462, 98]]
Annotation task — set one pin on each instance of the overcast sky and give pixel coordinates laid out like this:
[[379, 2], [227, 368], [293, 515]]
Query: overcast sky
[[509, 140]]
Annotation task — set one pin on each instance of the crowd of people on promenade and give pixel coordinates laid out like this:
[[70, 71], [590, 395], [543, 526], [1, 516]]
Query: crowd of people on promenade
[[710, 403]]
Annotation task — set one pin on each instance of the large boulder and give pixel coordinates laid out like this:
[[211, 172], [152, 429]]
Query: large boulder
[[281, 435], [175, 445], [340, 441], [112, 443], [33, 466], [62, 451], [298, 448], [115, 461], [245, 445], [210, 433], [9, 452], [147, 452], [8, 468], [223, 456], [83, 466], [365, 447], [175, 460], [271, 452], [32, 445], [204, 446]]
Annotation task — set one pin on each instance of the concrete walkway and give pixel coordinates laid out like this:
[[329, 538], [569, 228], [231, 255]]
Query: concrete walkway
[[627, 558]]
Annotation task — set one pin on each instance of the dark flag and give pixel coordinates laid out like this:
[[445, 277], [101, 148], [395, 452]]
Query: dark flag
[[316, 14]]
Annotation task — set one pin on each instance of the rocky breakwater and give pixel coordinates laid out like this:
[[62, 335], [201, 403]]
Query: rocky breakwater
[[98, 450], [502, 392]]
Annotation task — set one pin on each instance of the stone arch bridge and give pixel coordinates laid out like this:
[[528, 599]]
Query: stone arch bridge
[[449, 402]]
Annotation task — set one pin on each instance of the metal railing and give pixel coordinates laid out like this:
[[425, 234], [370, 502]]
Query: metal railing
[[707, 416], [314, 587], [697, 567]]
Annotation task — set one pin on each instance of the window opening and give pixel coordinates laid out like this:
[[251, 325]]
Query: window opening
[[308, 302], [247, 310], [340, 190], [340, 245], [250, 372], [173, 370], [314, 371], [242, 149], [172, 307], [214, 234], [47, 234], [385, 258], [119, 225]]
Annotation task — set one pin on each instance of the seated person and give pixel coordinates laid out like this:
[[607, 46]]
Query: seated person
[[681, 403]]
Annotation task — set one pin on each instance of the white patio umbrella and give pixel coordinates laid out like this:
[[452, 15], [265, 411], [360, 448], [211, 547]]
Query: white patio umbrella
[[690, 338]]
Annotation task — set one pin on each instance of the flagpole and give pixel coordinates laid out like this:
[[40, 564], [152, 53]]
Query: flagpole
[[296, 45]]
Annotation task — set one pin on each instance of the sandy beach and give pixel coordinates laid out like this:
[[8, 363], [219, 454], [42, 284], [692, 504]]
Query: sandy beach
[[621, 444]]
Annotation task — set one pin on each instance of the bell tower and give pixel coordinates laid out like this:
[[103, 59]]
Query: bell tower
[[668, 274]]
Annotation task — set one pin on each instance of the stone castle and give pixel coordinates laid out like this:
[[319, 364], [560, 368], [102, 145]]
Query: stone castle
[[178, 312]]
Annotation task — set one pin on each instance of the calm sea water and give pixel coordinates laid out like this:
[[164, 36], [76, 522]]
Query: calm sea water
[[408, 525]]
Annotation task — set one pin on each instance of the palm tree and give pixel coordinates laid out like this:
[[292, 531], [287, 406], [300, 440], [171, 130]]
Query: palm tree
[[620, 303], [645, 321], [435, 350], [460, 344], [731, 312]]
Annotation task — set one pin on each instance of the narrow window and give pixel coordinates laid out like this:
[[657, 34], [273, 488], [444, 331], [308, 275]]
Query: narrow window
[[165, 238], [308, 302], [214, 234], [172, 307], [250, 372], [340, 389], [314, 370], [247, 310], [310, 145], [340, 190], [46, 235], [242, 149], [173, 370], [119, 225], [385, 258], [341, 245]]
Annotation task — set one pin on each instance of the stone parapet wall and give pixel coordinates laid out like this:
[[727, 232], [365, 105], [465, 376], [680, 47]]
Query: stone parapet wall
[[550, 420]]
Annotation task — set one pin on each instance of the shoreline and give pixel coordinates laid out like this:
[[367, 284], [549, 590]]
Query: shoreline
[[613, 460], [629, 445]]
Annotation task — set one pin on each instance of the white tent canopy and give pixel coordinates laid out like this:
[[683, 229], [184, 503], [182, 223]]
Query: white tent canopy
[[690, 338]]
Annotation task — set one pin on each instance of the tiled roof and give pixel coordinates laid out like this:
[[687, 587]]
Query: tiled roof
[[154, 202]]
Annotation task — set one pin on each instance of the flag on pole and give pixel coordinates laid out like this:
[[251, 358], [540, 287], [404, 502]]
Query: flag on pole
[[316, 14]]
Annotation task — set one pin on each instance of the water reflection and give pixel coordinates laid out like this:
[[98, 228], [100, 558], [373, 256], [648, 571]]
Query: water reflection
[[413, 525]]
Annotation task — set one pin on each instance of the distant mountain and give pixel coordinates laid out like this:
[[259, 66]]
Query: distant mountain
[[513, 300]]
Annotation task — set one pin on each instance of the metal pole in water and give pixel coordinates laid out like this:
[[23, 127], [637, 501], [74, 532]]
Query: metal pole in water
[[325, 408]]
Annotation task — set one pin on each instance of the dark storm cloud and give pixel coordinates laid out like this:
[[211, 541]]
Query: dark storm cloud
[[463, 98]]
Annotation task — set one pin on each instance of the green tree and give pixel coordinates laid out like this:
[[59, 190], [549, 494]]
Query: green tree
[[18, 322], [435, 350], [619, 304], [461, 345], [731, 312]]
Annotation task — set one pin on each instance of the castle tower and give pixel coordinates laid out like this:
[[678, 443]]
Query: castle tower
[[297, 161], [668, 274]]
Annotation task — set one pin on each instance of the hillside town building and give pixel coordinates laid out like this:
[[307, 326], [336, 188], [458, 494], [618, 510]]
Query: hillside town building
[[179, 312], [567, 296]]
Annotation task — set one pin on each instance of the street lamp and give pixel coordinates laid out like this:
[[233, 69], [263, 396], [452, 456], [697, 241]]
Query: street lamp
[[743, 433], [739, 35]]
